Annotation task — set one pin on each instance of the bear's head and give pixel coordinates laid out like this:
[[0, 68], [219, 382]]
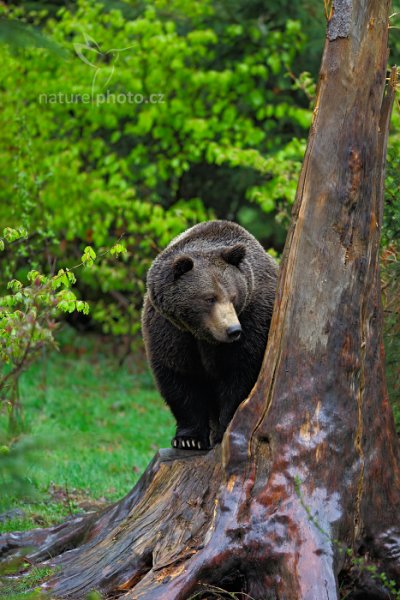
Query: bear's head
[[203, 293]]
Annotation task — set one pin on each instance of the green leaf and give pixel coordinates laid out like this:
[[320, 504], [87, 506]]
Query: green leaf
[[14, 285], [88, 257]]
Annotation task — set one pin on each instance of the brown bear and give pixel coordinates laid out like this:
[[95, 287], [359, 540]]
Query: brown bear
[[205, 323]]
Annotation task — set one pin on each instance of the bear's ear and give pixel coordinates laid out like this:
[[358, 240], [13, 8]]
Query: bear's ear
[[181, 265], [234, 255]]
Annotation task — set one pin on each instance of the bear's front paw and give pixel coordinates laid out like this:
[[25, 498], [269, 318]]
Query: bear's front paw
[[185, 442]]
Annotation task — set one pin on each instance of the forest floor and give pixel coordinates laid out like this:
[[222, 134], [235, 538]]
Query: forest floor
[[91, 426]]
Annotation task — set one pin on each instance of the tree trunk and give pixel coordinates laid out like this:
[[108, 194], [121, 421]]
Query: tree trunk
[[301, 500]]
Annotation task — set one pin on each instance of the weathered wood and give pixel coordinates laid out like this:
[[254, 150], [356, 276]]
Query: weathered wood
[[309, 467]]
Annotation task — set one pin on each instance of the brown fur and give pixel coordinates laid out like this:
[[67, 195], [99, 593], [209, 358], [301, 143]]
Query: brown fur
[[213, 277]]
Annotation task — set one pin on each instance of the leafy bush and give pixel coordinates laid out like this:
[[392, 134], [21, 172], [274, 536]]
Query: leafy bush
[[215, 125], [28, 319]]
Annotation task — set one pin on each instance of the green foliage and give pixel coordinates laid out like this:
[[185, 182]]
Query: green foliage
[[27, 322], [391, 267], [391, 237], [192, 114], [93, 596]]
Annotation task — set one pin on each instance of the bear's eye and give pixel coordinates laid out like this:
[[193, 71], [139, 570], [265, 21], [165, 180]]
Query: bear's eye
[[210, 300]]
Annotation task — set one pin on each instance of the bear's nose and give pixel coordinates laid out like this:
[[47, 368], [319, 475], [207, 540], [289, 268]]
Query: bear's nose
[[234, 331]]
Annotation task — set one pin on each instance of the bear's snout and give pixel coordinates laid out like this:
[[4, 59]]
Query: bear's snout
[[223, 323], [234, 332]]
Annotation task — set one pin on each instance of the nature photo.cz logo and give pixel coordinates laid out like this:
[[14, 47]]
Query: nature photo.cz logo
[[103, 66]]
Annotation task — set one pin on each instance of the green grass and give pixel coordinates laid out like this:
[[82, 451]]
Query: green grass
[[90, 429], [23, 588], [95, 427]]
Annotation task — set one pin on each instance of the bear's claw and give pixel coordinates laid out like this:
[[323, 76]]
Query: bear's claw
[[189, 443]]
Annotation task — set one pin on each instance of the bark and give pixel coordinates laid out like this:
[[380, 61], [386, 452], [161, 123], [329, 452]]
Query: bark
[[307, 477]]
